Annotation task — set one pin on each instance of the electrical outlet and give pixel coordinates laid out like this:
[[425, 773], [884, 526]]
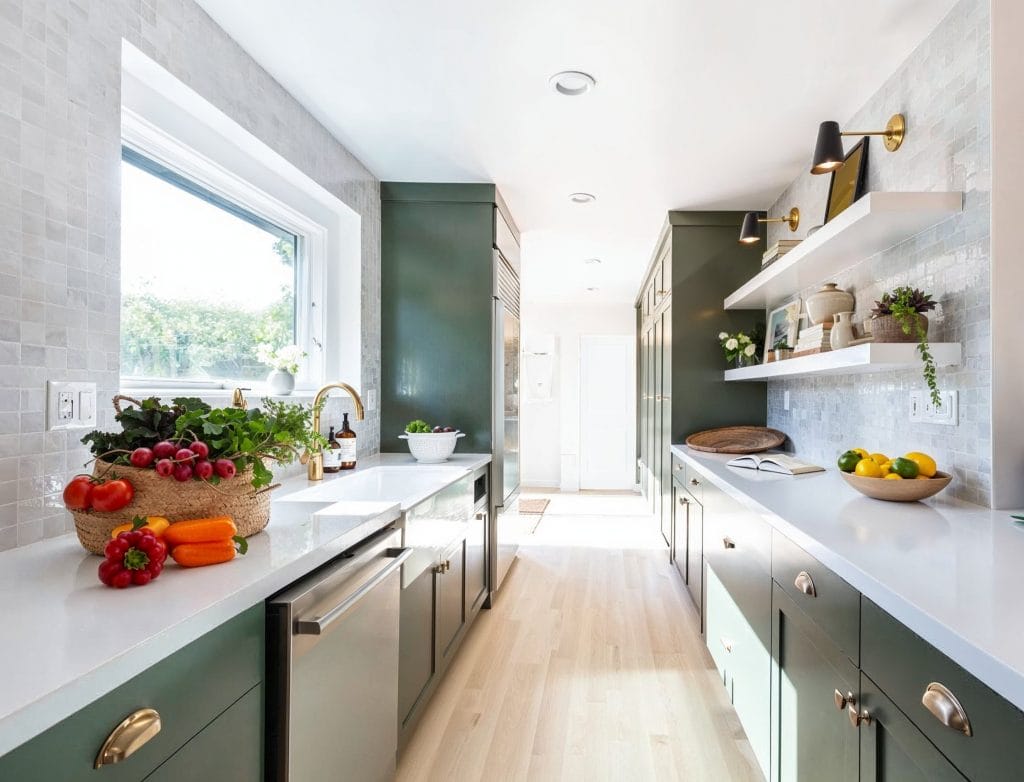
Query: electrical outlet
[[785, 400], [70, 405], [923, 411], [371, 399]]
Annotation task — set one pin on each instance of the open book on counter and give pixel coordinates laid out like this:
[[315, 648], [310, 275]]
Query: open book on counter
[[774, 462]]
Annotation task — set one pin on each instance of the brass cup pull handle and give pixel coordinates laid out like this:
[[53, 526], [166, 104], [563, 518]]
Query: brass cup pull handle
[[683, 501], [946, 708], [694, 482], [805, 584], [858, 718], [127, 738], [728, 542], [842, 701]]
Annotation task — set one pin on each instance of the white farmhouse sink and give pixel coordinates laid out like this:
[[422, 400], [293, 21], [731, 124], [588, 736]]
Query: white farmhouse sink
[[406, 485]]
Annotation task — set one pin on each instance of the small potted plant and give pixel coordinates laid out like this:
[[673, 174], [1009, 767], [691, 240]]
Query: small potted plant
[[738, 348], [284, 363], [899, 316], [782, 350]]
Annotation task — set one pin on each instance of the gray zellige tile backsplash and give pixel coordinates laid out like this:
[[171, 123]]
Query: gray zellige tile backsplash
[[944, 89], [60, 147]]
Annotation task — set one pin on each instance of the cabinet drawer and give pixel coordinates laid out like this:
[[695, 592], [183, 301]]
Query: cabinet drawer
[[904, 665], [688, 478], [189, 690], [829, 601]]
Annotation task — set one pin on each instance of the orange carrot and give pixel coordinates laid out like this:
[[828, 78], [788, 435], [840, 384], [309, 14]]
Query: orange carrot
[[215, 529], [200, 554]]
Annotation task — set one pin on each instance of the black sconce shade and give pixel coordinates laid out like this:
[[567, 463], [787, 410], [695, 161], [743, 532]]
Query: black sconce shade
[[828, 151], [749, 232]]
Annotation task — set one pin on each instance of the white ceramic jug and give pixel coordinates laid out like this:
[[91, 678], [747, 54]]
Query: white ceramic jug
[[842, 331]]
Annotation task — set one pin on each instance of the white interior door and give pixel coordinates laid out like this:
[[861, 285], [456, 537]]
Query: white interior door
[[607, 412]]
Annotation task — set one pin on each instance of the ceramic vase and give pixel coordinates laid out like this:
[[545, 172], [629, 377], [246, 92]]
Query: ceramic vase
[[826, 303], [281, 383], [842, 331]]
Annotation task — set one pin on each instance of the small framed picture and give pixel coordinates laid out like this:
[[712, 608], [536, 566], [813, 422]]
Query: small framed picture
[[846, 184], [778, 325]]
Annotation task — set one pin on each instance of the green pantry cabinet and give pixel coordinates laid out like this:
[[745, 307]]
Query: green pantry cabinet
[[697, 263], [210, 699], [826, 684]]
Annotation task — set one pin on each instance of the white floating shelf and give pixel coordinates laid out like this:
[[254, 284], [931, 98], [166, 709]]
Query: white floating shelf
[[859, 359], [876, 222]]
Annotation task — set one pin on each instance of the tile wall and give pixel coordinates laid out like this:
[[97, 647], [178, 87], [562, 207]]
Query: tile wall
[[60, 213], [944, 89]]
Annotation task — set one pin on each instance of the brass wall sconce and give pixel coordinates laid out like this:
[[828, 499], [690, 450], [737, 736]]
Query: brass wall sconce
[[749, 232], [828, 151]]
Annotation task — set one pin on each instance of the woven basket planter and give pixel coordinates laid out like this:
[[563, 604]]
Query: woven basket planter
[[176, 501], [885, 328]]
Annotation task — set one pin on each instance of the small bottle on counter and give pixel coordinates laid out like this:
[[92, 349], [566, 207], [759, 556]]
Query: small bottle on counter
[[332, 453], [347, 445]]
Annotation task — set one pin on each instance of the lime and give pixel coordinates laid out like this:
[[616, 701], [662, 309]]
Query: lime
[[848, 461], [905, 468]]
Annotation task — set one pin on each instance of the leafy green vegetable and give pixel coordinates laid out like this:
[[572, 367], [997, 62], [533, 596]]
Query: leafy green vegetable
[[417, 427], [141, 426]]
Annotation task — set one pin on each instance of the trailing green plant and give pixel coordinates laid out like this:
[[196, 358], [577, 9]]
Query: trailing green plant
[[906, 305]]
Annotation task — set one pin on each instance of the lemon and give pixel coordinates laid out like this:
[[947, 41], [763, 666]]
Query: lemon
[[863, 454], [868, 468], [885, 468], [879, 458], [922, 478], [925, 463], [893, 477]]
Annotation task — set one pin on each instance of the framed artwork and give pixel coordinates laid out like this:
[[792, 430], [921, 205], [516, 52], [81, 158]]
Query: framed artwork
[[778, 325], [847, 182]]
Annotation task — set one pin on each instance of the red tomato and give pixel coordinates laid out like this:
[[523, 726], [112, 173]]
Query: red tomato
[[78, 493], [112, 495]]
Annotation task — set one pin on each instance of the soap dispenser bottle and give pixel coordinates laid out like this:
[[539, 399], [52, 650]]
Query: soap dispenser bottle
[[346, 445], [332, 453]]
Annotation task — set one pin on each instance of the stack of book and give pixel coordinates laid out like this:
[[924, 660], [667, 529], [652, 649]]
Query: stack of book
[[813, 339], [777, 250]]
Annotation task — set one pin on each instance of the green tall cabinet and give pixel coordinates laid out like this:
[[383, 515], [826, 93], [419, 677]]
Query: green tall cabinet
[[697, 262], [437, 296]]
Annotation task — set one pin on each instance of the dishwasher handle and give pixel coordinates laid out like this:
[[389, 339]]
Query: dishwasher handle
[[321, 624]]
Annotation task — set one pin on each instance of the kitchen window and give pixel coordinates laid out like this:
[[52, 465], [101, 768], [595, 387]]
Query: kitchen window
[[205, 282]]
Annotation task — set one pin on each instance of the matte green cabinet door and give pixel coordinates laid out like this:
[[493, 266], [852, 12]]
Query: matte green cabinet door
[[229, 749], [450, 601], [665, 405], [810, 732], [892, 749], [415, 642]]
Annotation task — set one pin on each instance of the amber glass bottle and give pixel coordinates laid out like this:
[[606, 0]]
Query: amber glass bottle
[[347, 445], [332, 453]]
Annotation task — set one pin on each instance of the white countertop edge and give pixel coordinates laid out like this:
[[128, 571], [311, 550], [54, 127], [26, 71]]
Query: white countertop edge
[[30, 720], [993, 672]]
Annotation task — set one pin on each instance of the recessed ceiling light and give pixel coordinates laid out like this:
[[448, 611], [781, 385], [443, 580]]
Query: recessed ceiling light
[[592, 261], [572, 83], [582, 198], [592, 288]]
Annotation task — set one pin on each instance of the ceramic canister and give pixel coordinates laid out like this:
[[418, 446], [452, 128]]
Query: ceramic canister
[[826, 303]]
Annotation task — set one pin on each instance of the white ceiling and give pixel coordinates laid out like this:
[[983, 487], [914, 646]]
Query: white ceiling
[[698, 105]]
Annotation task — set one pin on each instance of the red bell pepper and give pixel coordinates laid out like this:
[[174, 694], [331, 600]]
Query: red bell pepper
[[135, 557]]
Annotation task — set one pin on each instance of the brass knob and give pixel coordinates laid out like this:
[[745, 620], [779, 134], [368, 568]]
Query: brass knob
[[858, 718], [842, 701], [728, 543], [945, 707], [694, 482], [805, 584], [134, 731], [684, 501]]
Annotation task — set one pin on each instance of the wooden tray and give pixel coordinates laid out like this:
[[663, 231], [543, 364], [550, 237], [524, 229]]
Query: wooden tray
[[736, 439]]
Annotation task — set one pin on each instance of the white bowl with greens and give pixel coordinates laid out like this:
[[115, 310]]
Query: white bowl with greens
[[431, 445]]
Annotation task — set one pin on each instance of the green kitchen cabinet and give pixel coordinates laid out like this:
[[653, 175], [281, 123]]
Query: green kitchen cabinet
[[438, 244], [224, 751], [697, 262], [190, 690], [813, 682]]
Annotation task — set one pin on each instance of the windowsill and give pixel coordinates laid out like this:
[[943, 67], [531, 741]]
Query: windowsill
[[303, 394]]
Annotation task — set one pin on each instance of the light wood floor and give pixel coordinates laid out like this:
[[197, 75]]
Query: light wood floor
[[589, 667]]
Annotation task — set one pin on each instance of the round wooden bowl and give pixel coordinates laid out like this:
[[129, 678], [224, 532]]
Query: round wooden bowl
[[736, 439], [898, 491]]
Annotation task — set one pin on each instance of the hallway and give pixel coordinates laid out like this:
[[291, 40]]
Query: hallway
[[590, 666]]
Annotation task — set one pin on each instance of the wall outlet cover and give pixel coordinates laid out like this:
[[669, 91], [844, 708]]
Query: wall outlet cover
[[70, 405], [923, 411]]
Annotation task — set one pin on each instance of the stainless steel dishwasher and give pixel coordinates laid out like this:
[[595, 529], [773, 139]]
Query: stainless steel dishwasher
[[332, 668]]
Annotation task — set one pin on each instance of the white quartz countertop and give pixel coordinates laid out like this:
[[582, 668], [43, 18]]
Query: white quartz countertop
[[66, 639], [950, 571]]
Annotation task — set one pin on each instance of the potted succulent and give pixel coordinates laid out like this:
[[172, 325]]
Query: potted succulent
[[782, 350], [899, 316], [284, 362]]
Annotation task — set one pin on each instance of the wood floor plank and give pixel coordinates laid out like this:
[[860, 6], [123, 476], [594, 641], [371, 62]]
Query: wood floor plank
[[590, 666]]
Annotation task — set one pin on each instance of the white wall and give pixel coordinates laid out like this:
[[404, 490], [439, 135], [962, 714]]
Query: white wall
[[550, 432]]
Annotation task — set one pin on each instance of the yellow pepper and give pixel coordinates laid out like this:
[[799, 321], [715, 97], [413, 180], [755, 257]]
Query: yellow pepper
[[156, 524]]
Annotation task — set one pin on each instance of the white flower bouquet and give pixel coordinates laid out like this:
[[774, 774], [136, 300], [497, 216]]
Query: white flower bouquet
[[283, 359], [738, 348]]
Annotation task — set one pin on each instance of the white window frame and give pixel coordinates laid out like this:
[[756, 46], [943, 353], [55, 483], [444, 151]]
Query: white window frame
[[166, 120], [152, 142]]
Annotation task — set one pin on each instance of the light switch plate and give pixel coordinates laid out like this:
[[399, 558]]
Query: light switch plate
[[924, 412], [70, 405], [371, 399]]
